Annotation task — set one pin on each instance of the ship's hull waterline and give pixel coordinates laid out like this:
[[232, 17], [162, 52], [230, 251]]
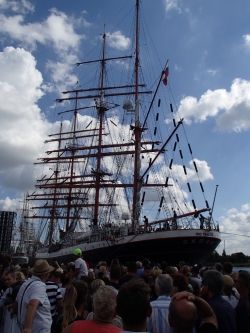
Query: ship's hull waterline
[[192, 246]]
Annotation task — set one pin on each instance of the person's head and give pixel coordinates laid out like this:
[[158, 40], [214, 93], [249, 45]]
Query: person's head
[[228, 285], [41, 269], [74, 300], [186, 270], [133, 303], [182, 316], [164, 265], [25, 272], [145, 262], [104, 303], [132, 267], [163, 285], [218, 267], [96, 284], [180, 282], [56, 273], [19, 276], [156, 271], [9, 279], [242, 282], [181, 264], [213, 282], [227, 268], [147, 272], [138, 264], [115, 272], [77, 253], [65, 278]]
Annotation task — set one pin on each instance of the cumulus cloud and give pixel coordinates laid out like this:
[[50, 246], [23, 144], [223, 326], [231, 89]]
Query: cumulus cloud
[[20, 6], [172, 5], [23, 126], [234, 227], [57, 30], [230, 108], [247, 40], [118, 41], [10, 205], [204, 171]]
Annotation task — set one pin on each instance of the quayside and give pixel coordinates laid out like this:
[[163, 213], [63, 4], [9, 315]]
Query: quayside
[[119, 175]]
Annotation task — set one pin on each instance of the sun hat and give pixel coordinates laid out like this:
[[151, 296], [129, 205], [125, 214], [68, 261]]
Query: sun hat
[[228, 281], [77, 252], [41, 267]]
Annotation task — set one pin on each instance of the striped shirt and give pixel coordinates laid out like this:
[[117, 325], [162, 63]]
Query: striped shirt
[[54, 294], [158, 322]]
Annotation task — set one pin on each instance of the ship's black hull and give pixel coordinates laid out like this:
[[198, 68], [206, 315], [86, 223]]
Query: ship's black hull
[[192, 246]]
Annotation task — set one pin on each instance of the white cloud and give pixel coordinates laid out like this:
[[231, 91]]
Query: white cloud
[[212, 71], [118, 41], [247, 40], [172, 5], [235, 229], [204, 172], [61, 72], [10, 205], [57, 30], [20, 6], [230, 108], [23, 127]]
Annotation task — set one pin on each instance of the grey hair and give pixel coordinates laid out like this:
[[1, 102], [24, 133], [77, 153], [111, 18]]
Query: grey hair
[[164, 284], [214, 280], [104, 302]]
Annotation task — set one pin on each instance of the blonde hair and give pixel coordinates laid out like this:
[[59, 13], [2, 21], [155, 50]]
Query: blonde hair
[[74, 298], [97, 283], [156, 271], [19, 276]]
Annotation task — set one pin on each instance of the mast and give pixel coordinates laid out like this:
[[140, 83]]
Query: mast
[[101, 110], [137, 130]]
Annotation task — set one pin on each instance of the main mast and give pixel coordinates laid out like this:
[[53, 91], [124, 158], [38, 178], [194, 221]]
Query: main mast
[[137, 130]]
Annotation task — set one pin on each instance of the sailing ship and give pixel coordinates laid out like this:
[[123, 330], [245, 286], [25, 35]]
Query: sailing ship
[[113, 183]]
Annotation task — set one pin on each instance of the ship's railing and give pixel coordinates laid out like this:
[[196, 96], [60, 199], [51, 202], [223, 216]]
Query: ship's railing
[[9, 325]]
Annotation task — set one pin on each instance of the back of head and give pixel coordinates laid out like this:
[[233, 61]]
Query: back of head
[[132, 267], [115, 272], [104, 303], [214, 280], [227, 268], [96, 284], [180, 281], [244, 278], [218, 267], [164, 285], [164, 265], [182, 315], [145, 262], [65, 278], [75, 297], [133, 302], [19, 276]]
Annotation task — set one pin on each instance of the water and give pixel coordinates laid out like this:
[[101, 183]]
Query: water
[[236, 269]]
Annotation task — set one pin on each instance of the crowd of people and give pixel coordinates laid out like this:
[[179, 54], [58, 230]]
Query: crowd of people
[[134, 297]]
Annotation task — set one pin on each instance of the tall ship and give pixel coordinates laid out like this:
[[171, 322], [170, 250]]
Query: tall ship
[[119, 176]]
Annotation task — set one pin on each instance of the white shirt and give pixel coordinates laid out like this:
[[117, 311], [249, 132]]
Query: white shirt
[[83, 269], [36, 290]]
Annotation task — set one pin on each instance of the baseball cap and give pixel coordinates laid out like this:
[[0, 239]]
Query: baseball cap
[[77, 252]]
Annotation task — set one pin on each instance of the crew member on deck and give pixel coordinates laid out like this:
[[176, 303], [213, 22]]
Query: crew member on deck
[[174, 221], [201, 218], [146, 223]]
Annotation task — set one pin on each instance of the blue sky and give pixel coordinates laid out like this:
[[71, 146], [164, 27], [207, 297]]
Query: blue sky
[[208, 47]]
